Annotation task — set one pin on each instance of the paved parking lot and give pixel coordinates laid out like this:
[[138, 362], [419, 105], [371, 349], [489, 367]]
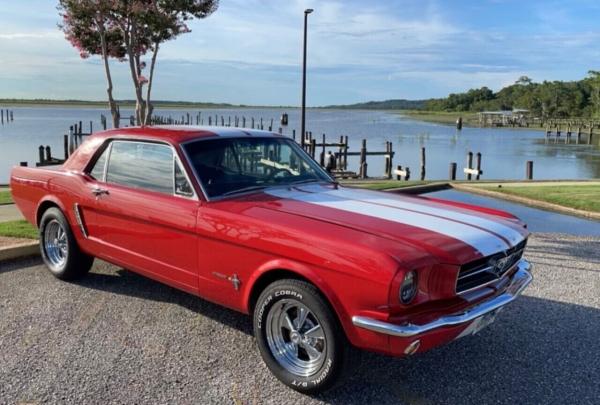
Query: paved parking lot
[[120, 338]]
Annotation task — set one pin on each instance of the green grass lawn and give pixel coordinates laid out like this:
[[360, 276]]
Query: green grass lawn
[[586, 198], [5, 197], [442, 117], [18, 229]]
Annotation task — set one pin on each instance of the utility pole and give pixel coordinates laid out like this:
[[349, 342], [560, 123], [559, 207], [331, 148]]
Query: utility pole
[[303, 112]]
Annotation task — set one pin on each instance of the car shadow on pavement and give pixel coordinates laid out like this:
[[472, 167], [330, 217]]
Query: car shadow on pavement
[[538, 351], [131, 284]]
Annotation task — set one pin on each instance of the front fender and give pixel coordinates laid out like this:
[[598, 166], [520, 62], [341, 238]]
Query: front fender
[[323, 280]]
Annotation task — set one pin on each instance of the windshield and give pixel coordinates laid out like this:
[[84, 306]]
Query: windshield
[[235, 165]]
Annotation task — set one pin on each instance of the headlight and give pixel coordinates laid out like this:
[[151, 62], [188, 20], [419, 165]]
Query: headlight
[[408, 288]]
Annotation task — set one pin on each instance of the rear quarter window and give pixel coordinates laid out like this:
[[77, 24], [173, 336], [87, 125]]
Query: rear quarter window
[[141, 165], [97, 171]]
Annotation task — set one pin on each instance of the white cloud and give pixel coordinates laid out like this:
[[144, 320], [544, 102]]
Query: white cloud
[[250, 50], [30, 35]]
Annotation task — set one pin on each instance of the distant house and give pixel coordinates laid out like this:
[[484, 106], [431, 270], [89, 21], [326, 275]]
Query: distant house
[[503, 118]]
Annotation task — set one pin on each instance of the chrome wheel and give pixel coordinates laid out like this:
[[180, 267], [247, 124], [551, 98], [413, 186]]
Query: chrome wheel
[[56, 244], [296, 338]]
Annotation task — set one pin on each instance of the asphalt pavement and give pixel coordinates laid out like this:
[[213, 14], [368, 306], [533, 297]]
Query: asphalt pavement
[[116, 337]]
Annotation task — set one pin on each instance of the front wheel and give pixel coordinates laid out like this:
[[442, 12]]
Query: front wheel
[[299, 336], [59, 248]]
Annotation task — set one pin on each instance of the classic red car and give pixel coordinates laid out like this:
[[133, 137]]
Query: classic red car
[[248, 220]]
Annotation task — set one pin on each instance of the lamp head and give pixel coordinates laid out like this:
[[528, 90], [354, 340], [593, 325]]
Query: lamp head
[[308, 11]]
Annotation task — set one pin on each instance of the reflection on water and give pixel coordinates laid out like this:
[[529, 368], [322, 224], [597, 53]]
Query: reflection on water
[[504, 151]]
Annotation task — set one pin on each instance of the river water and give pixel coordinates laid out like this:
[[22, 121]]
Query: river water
[[504, 151]]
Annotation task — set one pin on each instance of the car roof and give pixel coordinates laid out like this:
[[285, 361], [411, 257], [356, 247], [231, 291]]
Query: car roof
[[181, 133]]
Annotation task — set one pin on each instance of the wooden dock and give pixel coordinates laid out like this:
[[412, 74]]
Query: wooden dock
[[333, 154]]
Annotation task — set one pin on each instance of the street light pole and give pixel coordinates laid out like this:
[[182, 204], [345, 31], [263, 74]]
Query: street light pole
[[303, 113]]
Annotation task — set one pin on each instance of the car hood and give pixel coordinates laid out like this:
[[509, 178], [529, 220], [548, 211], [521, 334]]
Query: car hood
[[455, 234]]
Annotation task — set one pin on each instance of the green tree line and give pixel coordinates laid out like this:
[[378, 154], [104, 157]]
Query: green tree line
[[549, 99]]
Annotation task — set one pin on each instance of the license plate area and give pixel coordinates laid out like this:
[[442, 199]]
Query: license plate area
[[480, 323]]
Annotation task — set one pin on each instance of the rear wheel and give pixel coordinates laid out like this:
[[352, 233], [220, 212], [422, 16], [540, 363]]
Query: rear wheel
[[59, 249], [299, 336]]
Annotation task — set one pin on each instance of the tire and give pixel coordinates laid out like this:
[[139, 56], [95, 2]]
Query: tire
[[309, 358], [59, 249]]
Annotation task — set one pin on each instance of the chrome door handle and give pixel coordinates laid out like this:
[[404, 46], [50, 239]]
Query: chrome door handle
[[97, 191]]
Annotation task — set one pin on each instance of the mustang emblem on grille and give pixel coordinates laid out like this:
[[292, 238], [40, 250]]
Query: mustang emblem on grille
[[499, 265]]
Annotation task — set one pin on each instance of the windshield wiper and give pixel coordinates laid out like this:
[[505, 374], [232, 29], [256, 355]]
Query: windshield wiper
[[244, 189], [295, 183]]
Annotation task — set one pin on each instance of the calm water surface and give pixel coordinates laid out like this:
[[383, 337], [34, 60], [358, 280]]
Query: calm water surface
[[504, 151], [537, 220]]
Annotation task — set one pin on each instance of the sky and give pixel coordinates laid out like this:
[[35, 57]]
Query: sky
[[250, 51]]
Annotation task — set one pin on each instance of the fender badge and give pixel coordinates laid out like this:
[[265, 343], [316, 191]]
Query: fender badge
[[233, 279]]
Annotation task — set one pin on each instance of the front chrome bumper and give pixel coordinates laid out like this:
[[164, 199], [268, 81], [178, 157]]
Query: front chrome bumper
[[520, 280]]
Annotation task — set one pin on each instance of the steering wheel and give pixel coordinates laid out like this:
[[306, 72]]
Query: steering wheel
[[277, 170]]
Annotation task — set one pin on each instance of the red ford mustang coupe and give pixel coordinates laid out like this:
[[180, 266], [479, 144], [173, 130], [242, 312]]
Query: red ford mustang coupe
[[248, 220]]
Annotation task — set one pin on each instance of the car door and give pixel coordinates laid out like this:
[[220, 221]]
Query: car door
[[144, 213]]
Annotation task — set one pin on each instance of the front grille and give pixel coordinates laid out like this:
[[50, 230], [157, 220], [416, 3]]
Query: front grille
[[488, 269]]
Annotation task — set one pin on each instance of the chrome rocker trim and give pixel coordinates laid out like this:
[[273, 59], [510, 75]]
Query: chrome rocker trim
[[520, 280]]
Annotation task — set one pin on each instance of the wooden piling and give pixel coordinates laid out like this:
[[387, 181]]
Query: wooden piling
[[422, 163], [402, 173], [478, 164], [469, 164], [346, 152], [363, 160], [529, 170], [41, 154], [48, 154], [389, 160], [322, 157], [452, 171], [71, 140], [66, 145]]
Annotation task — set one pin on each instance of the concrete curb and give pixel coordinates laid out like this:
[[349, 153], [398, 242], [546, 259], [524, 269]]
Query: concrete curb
[[527, 201], [20, 250]]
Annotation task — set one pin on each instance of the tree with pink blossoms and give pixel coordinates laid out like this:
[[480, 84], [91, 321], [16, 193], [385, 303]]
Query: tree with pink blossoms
[[128, 30]]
